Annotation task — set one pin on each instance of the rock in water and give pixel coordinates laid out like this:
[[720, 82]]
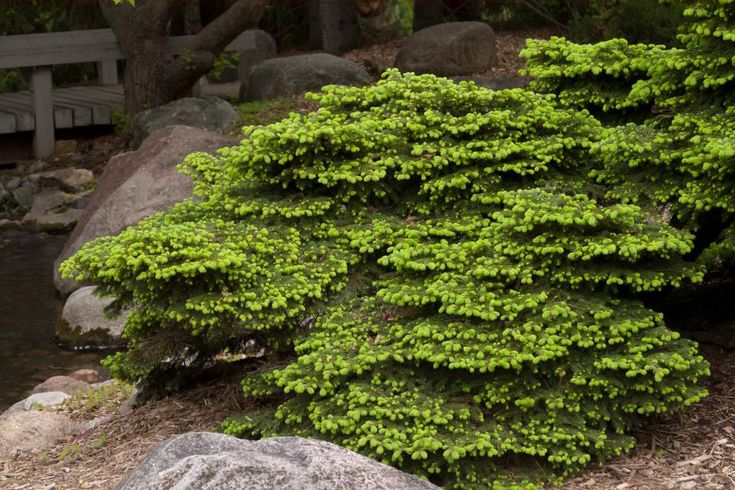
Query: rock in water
[[209, 461], [453, 48], [210, 113], [135, 185], [294, 75], [83, 322]]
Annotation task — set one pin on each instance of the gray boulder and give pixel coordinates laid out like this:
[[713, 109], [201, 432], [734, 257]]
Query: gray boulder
[[27, 430], [294, 75], [209, 461], [453, 48], [23, 193], [37, 401], [65, 384], [66, 179], [135, 185], [53, 210], [83, 322], [207, 112], [263, 48]]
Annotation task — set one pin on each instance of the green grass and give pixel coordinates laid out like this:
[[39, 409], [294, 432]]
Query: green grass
[[261, 112]]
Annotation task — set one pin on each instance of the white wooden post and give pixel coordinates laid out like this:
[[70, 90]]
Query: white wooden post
[[43, 108], [107, 72]]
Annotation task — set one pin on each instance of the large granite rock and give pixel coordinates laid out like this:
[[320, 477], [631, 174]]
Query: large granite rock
[[135, 185], [293, 75], [206, 112], [33, 429], [83, 322], [453, 48], [209, 461]]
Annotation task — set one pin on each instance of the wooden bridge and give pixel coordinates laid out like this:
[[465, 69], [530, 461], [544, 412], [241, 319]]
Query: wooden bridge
[[43, 109], [72, 107]]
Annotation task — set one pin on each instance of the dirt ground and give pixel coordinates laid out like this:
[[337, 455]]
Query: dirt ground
[[694, 449], [100, 457]]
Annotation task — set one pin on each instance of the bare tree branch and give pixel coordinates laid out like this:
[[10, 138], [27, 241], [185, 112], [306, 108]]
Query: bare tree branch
[[216, 35]]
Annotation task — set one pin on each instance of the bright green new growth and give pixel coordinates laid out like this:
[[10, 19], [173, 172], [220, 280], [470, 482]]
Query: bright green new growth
[[679, 155], [460, 297]]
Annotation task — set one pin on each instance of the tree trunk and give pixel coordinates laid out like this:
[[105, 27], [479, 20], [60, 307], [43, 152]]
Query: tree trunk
[[333, 25], [145, 85], [152, 76]]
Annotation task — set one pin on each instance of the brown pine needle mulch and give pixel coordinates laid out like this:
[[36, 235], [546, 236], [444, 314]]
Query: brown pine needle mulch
[[693, 449], [101, 457]]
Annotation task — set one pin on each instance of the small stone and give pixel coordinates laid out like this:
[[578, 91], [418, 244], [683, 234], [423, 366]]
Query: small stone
[[47, 201], [67, 179], [86, 375], [9, 224], [14, 183], [23, 194], [67, 384], [62, 221], [32, 167], [64, 147]]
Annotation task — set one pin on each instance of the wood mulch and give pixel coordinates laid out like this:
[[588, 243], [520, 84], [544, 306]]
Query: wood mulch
[[101, 457], [693, 449]]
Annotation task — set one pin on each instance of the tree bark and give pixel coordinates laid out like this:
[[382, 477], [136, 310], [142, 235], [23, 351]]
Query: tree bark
[[152, 76]]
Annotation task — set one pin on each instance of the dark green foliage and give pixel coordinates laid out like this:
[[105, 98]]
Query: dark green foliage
[[460, 296], [679, 156], [33, 16], [598, 77], [638, 21]]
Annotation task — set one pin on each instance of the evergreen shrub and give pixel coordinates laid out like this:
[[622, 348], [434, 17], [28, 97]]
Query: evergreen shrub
[[678, 153], [461, 299]]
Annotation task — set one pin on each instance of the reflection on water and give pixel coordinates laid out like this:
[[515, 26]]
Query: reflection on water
[[29, 308]]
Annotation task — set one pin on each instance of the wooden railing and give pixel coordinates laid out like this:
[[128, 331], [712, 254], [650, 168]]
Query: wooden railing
[[42, 51]]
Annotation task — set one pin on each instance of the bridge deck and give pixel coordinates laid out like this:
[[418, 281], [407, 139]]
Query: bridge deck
[[73, 107]]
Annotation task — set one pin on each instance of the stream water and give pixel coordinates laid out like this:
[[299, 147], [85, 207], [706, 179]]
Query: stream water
[[29, 309]]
